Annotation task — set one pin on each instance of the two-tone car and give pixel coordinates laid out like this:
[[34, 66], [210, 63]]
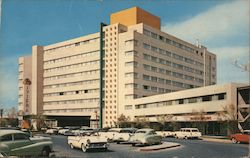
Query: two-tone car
[[188, 133], [18, 143], [87, 142], [243, 137], [145, 136]]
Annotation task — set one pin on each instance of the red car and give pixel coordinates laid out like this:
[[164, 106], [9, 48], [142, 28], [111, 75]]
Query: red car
[[243, 137]]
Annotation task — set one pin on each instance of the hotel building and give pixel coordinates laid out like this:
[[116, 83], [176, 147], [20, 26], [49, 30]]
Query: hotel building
[[128, 64]]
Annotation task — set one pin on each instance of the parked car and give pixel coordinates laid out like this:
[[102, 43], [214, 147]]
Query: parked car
[[53, 130], [84, 130], [94, 141], [67, 128], [109, 135], [124, 134], [145, 136], [18, 143], [165, 133], [187, 133], [243, 137]]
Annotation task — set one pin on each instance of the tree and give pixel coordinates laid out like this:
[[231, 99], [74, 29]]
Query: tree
[[12, 113], [39, 121], [200, 120], [229, 115], [123, 121], [142, 122], [162, 119]]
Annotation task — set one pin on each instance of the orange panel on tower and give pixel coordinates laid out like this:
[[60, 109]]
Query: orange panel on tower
[[134, 16]]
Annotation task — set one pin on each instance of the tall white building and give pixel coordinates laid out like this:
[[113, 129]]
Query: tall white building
[[92, 80]]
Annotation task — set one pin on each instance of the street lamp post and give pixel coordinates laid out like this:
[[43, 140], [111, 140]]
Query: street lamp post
[[1, 113]]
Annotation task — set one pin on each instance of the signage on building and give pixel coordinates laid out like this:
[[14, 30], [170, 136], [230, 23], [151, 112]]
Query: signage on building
[[27, 84], [197, 118]]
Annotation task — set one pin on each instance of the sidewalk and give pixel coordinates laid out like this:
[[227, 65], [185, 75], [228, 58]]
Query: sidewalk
[[220, 139]]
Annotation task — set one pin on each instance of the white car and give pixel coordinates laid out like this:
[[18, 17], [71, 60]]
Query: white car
[[53, 130], [145, 137], [94, 141], [84, 130], [109, 135], [165, 133], [187, 133], [66, 129], [124, 134]]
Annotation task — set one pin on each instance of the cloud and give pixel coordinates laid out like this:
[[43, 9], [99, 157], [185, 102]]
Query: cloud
[[8, 81], [226, 70], [225, 31], [220, 22]]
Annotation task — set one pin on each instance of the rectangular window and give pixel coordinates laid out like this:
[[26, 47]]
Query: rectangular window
[[146, 77], [146, 67], [154, 59], [154, 89], [153, 68], [146, 57], [146, 32], [161, 80], [145, 87], [207, 98], [154, 49], [154, 35], [221, 96], [146, 46], [128, 107], [154, 79]]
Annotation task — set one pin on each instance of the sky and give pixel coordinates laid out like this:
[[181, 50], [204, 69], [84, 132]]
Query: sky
[[220, 25]]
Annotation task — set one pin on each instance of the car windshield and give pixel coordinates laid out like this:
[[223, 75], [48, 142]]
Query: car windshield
[[195, 130], [246, 132]]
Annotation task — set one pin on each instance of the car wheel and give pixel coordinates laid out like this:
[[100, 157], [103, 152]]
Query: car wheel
[[71, 146], [45, 152], [234, 140], [84, 149]]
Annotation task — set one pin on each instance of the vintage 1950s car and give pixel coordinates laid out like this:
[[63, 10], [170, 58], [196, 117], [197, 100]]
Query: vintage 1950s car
[[146, 137], [86, 142], [243, 137], [124, 134], [18, 143], [187, 133]]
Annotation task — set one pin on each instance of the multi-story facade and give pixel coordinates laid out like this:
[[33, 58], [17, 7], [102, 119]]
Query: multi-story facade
[[97, 76]]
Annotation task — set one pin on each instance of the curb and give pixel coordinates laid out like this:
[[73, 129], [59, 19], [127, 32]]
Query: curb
[[217, 140], [159, 147]]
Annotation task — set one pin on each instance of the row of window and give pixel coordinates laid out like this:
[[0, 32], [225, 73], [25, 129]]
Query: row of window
[[73, 45], [84, 73], [79, 101], [172, 64], [73, 57], [171, 54], [72, 92], [95, 81], [73, 66], [168, 41], [220, 96], [171, 73], [71, 110], [155, 89]]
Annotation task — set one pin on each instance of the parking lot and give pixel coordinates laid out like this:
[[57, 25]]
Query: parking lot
[[187, 148]]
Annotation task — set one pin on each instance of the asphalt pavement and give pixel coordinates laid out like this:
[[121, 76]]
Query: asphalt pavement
[[187, 149]]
